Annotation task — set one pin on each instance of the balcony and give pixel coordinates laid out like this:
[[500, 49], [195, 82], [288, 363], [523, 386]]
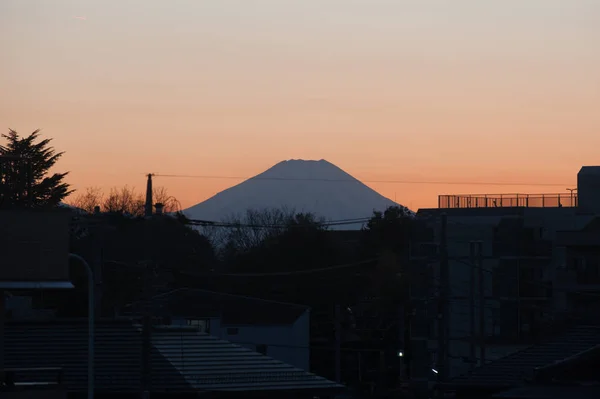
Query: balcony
[[462, 201]]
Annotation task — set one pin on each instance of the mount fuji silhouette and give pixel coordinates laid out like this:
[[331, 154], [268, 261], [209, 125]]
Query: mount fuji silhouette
[[318, 187]]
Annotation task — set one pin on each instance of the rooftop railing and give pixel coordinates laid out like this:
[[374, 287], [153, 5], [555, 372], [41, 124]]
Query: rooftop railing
[[507, 201]]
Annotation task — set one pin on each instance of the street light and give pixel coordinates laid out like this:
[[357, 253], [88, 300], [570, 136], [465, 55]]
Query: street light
[[571, 190], [91, 317]]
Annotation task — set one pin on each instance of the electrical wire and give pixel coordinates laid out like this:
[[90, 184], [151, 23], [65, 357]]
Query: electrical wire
[[288, 273], [210, 223], [434, 182], [515, 279]]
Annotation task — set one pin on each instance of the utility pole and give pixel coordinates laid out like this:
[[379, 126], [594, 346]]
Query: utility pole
[[422, 292], [443, 307], [481, 302], [472, 285], [147, 314], [2, 313], [405, 314], [146, 339], [338, 343], [148, 206], [97, 233]]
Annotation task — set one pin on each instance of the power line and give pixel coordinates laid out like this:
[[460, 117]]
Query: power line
[[548, 285], [434, 182], [340, 222], [210, 223], [266, 274], [288, 273]]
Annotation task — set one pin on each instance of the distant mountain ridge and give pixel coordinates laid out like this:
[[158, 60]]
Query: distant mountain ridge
[[318, 187]]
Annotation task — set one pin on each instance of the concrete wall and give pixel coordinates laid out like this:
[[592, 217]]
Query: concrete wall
[[588, 188], [286, 343]]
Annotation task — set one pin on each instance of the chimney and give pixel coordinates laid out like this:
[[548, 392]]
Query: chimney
[[96, 210], [148, 207], [159, 208]]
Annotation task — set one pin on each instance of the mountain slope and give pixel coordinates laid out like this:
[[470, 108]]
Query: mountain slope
[[318, 187]]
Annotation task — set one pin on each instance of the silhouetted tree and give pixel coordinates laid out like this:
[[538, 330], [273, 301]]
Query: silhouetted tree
[[88, 200], [164, 240], [170, 203], [249, 230], [298, 246], [388, 230], [124, 200], [38, 157], [386, 236], [134, 251]]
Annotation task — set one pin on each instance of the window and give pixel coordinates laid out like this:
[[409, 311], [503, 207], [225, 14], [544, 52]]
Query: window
[[201, 324], [232, 331], [262, 349]]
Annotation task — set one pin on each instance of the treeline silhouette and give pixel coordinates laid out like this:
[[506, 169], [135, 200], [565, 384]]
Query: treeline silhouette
[[274, 254]]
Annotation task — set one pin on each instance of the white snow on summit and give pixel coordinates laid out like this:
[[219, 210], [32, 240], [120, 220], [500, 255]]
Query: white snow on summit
[[318, 187]]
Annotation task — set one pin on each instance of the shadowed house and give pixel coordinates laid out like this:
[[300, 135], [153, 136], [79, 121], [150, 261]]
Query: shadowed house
[[182, 362], [276, 329], [522, 369], [575, 377], [34, 255]]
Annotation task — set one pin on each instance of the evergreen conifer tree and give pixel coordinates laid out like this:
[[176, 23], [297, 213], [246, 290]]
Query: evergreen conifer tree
[[25, 181]]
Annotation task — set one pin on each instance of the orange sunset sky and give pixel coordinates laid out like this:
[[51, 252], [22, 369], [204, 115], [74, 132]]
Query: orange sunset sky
[[444, 91]]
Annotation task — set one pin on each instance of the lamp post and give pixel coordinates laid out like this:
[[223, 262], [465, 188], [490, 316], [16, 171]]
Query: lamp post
[[91, 317]]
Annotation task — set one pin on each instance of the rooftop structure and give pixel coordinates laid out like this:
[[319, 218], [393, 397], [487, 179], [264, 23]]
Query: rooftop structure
[[507, 200], [586, 197]]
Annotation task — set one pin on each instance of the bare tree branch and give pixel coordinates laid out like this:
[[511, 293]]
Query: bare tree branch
[[250, 230], [124, 200], [87, 201], [170, 203]]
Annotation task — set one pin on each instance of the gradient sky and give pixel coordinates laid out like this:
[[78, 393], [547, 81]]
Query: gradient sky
[[448, 90]]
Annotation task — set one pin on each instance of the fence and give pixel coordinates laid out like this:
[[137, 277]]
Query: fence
[[507, 201]]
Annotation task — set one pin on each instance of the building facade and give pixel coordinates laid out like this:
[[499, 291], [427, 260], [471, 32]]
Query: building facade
[[509, 245], [286, 342]]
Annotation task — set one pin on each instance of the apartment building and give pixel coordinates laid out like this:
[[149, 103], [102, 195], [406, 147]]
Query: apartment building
[[522, 262]]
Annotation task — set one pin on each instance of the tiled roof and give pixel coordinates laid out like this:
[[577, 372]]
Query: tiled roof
[[183, 360], [210, 364], [514, 369], [232, 309]]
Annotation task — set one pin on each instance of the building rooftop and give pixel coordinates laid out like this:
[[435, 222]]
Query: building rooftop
[[181, 361], [514, 369], [461, 201], [590, 170]]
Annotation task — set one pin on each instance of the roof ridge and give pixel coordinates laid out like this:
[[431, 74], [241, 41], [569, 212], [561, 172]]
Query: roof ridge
[[554, 339]]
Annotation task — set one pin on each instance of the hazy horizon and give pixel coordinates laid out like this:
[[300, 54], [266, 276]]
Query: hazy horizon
[[387, 90]]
